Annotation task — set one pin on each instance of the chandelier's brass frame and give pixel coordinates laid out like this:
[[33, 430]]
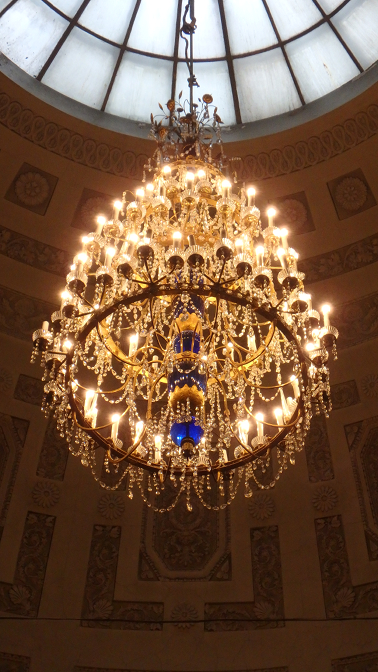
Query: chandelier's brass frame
[[156, 290]]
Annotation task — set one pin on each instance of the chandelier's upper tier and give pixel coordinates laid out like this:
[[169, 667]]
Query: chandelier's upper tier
[[259, 58]]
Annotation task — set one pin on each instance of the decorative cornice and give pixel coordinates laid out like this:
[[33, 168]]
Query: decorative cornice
[[33, 253], [109, 159], [336, 262]]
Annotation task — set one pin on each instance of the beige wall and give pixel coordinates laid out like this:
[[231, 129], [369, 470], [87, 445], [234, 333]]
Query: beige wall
[[334, 545]]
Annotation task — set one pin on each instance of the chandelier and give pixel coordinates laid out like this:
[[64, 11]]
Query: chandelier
[[186, 351]]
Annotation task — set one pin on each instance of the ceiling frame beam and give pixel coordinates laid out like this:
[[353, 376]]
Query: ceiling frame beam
[[230, 63]]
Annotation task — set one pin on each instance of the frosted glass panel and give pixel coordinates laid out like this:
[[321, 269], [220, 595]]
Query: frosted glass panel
[[68, 7], [293, 16], [208, 38], [320, 63], [82, 68], [265, 86], [154, 27], [254, 31], [358, 25], [141, 84], [29, 31], [213, 78], [3, 4], [329, 5], [109, 18]]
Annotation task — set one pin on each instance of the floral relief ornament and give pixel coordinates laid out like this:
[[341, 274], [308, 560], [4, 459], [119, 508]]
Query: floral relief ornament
[[293, 212], [324, 498], [370, 385], [184, 614], [351, 193], [111, 506], [261, 506], [45, 494], [32, 188]]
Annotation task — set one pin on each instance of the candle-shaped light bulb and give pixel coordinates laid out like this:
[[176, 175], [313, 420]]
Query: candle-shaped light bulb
[[139, 195], [65, 296], [149, 187], [231, 350], [326, 310], [115, 424], [167, 170], [189, 179], [251, 193], [101, 220], [271, 212], [158, 443], [295, 256], [260, 255], [155, 363], [117, 209], [284, 234], [295, 385], [177, 239], [45, 325], [67, 345], [239, 243], [138, 430], [85, 240], [260, 425], [109, 254], [284, 402], [133, 347], [201, 174], [309, 301], [251, 338], [89, 395], [279, 416], [243, 431], [226, 187], [281, 254]]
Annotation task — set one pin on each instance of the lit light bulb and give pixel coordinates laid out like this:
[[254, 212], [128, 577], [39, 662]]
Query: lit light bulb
[[65, 296], [239, 242], [109, 254], [326, 309], [101, 220], [167, 170], [294, 382], [89, 396], [284, 234], [279, 416], [189, 178], [260, 424], [67, 345], [150, 187], [139, 195], [133, 347], [251, 339], [281, 254], [158, 444], [115, 423], [177, 239], [260, 255], [138, 430], [271, 212], [226, 186], [243, 427], [251, 193], [201, 174], [117, 209]]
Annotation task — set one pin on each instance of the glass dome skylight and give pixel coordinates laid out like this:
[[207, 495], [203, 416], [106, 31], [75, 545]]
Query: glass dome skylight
[[258, 58]]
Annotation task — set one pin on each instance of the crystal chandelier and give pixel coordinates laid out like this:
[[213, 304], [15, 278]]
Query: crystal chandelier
[[185, 347]]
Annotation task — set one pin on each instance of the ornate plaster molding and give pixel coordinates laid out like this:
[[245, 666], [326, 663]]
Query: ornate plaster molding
[[104, 157]]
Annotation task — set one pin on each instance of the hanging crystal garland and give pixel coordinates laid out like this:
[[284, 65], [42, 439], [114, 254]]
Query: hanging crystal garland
[[185, 347]]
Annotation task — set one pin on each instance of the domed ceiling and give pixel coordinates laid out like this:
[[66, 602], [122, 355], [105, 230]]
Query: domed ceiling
[[258, 58]]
